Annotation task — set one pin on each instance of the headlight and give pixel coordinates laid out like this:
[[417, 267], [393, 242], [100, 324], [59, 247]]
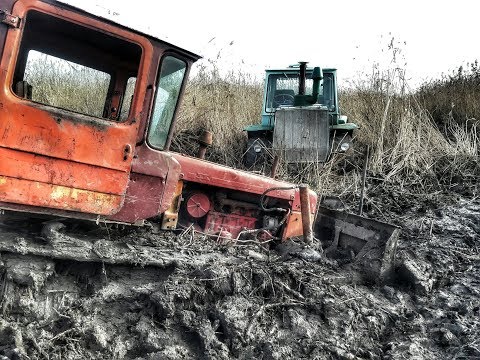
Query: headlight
[[257, 148], [344, 146]]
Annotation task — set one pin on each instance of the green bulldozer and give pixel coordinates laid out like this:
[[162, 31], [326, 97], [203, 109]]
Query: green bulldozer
[[301, 120]]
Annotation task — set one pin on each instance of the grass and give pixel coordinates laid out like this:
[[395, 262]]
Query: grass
[[221, 104], [454, 97], [408, 141], [67, 85]]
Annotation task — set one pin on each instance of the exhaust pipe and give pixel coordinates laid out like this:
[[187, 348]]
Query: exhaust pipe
[[306, 217], [302, 78], [302, 99]]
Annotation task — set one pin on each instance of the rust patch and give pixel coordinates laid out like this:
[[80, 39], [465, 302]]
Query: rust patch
[[39, 194], [170, 216], [27, 166], [294, 225]]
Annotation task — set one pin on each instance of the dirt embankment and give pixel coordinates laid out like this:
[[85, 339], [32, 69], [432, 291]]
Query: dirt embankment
[[214, 301]]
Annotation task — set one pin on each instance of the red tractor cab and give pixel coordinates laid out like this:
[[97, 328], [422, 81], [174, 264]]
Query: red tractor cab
[[87, 112]]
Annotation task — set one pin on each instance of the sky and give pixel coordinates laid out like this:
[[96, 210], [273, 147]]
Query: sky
[[426, 37]]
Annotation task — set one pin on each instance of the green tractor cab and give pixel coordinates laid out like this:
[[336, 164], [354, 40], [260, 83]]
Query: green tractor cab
[[301, 120]]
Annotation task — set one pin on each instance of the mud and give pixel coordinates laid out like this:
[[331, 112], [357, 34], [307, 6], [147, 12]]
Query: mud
[[242, 301]]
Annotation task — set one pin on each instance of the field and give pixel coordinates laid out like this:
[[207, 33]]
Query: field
[[241, 301]]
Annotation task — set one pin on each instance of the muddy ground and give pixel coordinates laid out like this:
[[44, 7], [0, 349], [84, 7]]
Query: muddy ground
[[240, 301]]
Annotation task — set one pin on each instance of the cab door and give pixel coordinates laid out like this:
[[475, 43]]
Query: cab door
[[68, 122]]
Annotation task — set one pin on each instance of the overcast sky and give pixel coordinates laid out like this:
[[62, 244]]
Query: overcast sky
[[433, 37]]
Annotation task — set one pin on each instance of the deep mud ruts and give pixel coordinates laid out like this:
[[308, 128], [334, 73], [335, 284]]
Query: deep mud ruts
[[242, 301]]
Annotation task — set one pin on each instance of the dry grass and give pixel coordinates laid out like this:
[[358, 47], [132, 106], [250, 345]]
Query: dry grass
[[223, 105], [405, 139], [454, 97], [67, 85], [407, 145]]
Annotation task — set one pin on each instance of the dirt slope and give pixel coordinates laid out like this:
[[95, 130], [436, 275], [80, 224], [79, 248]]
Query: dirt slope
[[239, 301]]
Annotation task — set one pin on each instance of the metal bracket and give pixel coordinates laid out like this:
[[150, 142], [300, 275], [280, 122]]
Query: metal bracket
[[9, 19]]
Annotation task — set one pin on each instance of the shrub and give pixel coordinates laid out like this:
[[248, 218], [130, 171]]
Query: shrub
[[454, 97]]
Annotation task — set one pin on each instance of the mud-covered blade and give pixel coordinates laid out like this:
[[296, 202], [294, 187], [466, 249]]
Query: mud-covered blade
[[365, 244]]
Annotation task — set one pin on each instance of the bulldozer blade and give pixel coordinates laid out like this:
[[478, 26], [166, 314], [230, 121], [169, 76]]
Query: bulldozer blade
[[366, 245]]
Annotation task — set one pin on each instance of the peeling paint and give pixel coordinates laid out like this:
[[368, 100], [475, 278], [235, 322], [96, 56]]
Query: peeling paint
[[59, 192], [20, 191]]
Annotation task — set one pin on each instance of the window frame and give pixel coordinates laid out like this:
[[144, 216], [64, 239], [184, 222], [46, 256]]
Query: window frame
[[120, 109], [14, 38]]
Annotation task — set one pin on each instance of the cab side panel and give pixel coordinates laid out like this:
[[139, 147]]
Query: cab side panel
[[53, 157]]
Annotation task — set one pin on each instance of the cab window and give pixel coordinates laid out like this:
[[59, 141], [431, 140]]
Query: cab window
[[169, 84], [75, 68], [282, 89]]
